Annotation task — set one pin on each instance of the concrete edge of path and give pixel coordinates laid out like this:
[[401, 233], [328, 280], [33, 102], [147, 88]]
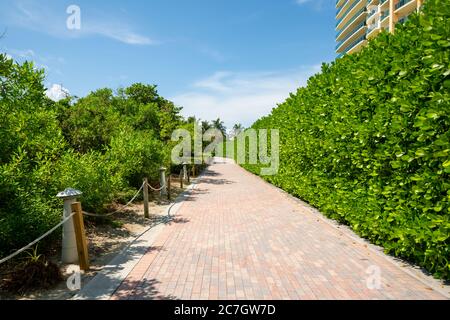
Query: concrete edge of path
[[409, 268], [106, 282]]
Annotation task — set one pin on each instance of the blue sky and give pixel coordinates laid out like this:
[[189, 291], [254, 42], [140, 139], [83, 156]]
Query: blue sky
[[234, 59]]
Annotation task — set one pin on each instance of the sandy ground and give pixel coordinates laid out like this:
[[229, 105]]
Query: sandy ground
[[105, 241]]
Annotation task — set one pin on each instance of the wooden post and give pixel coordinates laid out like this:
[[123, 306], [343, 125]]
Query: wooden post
[[146, 213], [80, 236], [181, 179], [193, 171], [188, 175], [169, 185], [162, 181]]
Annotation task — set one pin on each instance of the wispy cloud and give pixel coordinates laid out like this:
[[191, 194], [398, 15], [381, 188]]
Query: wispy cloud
[[241, 97], [317, 4], [36, 17], [40, 61], [25, 54], [211, 53], [117, 33]]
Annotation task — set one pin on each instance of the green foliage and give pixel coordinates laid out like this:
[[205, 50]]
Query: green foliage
[[137, 154], [103, 144], [91, 122], [368, 142]]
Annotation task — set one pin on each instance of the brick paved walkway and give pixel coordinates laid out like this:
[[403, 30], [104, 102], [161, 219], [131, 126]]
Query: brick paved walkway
[[240, 238]]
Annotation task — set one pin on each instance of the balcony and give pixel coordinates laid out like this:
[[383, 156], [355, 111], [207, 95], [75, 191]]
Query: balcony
[[405, 7], [346, 7], [356, 30], [401, 3], [356, 45], [347, 43], [350, 13], [359, 16], [384, 3], [373, 30], [340, 3], [339, 10], [372, 13]]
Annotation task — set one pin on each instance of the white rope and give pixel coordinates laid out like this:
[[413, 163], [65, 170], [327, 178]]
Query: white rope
[[117, 211], [37, 240], [155, 189]]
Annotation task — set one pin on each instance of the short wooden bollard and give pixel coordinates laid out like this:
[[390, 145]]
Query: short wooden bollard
[[181, 179], [188, 176], [146, 211], [169, 185], [193, 171], [162, 181], [80, 235]]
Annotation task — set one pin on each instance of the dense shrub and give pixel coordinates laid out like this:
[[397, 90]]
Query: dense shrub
[[139, 154], [367, 141], [103, 144], [25, 208]]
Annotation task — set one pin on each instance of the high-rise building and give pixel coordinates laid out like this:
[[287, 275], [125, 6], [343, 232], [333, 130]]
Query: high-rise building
[[360, 20]]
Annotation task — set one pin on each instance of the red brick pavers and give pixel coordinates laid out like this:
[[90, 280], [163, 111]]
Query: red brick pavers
[[237, 237]]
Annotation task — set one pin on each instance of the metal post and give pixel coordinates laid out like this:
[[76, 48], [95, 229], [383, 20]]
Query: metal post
[[69, 252], [162, 180], [146, 212]]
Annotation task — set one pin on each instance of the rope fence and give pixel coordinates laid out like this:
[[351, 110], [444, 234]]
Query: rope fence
[[37, 240], [118, 210], [165, 183], [154, 189]]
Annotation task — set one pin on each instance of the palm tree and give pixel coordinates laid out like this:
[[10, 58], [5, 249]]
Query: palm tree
[[191, 120], [237, 128], [220, 125], [205, 126]]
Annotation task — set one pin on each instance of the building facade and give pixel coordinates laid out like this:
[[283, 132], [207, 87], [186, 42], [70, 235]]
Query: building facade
[[357, 21]]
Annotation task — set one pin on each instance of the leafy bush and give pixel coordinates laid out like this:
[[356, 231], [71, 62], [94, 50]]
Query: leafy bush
[[139, 153], [93, 174], [103, 144], [368, 142], [26, 210]]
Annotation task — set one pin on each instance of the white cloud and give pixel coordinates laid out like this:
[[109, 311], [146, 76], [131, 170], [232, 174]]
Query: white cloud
[[57, 92], [239, 97]]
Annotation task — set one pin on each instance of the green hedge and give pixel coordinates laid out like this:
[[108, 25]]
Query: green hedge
[[367, 141], [103, 144]]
